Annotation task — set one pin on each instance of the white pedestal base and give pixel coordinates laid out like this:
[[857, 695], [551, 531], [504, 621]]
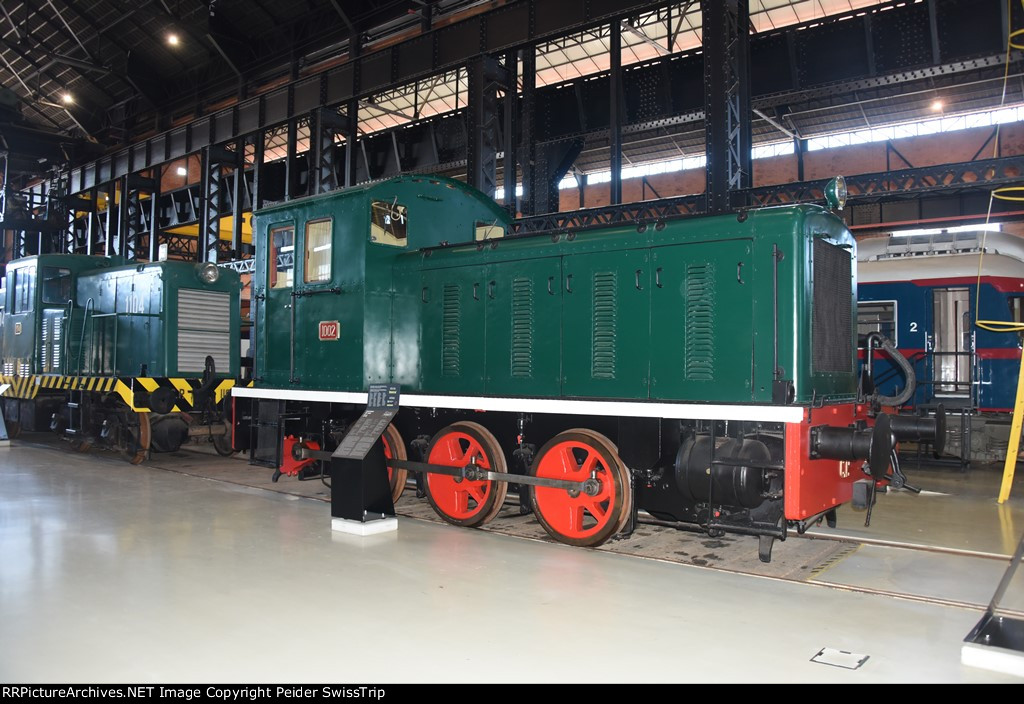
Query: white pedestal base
[[381, 525], [1009, 662]]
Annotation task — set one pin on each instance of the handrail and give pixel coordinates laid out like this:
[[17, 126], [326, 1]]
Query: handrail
[[69, 315], [89, 304]]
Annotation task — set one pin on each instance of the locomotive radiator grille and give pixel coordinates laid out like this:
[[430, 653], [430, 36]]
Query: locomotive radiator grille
[[451, 330], [831, 317], [522, 328], [605, 323], [700, 322], [204, 328]]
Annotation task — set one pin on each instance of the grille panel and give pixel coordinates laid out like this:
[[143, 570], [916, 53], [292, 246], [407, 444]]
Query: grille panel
[[831, 319], [204, 328], [522, 329], [605, 324], [451, 330], [700, 322]]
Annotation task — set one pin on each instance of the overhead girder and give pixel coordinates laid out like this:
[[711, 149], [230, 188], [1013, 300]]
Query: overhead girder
[[663, 92]]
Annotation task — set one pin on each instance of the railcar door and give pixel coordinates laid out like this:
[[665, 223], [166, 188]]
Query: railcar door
[[606, 324], [952, 342], [524, 333], [275, 325], [702, 322], [453, 331]]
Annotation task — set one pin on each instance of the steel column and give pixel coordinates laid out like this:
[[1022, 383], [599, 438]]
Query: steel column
[[290, 167], [108, 235], [726, 100], [485, 77], [324, 124], [154, 214], [508, 142], [213, 160], [527, 131], [615, 113], [259, 148]]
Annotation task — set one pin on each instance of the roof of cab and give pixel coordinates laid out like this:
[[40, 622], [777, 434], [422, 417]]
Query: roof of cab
[[373, 186]]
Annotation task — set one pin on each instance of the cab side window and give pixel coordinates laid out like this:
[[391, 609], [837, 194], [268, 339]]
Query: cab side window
[[389, 223], [281, 262], [24, 286], [56, 285], [318, 250]]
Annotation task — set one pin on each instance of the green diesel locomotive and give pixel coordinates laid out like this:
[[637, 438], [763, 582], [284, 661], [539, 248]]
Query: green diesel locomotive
[[703, 370], [115, 354]]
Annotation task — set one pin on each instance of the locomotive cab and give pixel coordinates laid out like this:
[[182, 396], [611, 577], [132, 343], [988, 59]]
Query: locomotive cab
[[39, 292], [323, 279]]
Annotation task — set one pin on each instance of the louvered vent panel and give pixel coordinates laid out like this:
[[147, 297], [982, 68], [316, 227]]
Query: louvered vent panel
[[451, 331], [700, 322], [204, 328], [605, 314], [831, 319], [55, 359], [522, 328], [45, 346]]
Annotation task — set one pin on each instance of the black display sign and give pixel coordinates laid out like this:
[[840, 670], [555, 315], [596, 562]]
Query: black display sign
[[381, 408]]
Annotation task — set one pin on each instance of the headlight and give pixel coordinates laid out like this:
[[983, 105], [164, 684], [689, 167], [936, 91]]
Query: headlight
[[836, 193], [208, 273]]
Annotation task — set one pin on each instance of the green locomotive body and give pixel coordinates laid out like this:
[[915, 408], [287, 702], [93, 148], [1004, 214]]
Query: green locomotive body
[[94, 345], [686, 312], [702, 355]]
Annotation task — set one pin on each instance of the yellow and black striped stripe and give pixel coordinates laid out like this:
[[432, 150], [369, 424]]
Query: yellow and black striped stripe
[[27, 387]]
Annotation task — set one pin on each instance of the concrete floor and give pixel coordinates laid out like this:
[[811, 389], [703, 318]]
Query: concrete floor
[[110, 572]]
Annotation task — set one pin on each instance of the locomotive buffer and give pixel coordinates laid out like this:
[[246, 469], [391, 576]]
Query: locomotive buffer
[[360, 494]]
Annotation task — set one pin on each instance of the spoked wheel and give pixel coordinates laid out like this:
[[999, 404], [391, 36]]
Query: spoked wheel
[[627, 491], [134, 436], [462, 501], [394, 449], [580, 518]]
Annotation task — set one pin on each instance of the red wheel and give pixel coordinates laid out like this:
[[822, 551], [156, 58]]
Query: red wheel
[[394, 448], [461, 501], [627, 492], [583, 519]]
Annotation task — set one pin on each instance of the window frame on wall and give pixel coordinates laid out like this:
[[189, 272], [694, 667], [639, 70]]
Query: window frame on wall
[[879, 324], [312, 249]]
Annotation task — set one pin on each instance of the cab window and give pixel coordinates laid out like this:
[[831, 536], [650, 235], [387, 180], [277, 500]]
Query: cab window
[[388, 223], [488, 231], [281, 262], [318, 250], [24, 287], [56, 285]]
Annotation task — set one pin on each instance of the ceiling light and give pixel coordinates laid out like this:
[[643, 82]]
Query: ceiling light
[[172, 39], [182, 171], [67, 98], [937, 105]]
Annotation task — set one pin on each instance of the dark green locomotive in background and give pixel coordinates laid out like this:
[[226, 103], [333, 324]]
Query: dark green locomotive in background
[[690, 364], [113, 353]]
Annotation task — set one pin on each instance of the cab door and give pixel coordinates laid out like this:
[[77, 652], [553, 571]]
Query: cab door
[[327, 334], [275, 334]]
